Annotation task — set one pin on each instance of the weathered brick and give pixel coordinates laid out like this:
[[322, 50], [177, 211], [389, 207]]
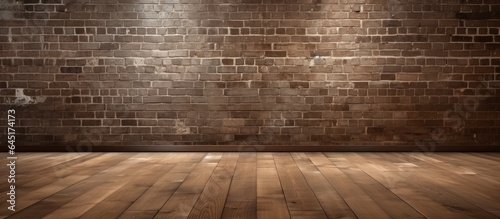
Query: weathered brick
[[268, 72]]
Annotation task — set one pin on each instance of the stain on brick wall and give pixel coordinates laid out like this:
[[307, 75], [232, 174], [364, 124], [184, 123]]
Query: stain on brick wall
[[248, 72]]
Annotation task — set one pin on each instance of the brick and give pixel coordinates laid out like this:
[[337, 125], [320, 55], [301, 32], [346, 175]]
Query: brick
[[71, 69], [267, 72], [275, 53], [478, 15]]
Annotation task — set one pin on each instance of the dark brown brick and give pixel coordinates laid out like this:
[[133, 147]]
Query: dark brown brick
[[71, 70], [276, 53], [129, 123]]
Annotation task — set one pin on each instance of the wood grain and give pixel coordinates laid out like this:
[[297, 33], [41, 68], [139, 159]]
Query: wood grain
[[242, 197], [256, 185], [298, 194], [210, 204], [333, 204]]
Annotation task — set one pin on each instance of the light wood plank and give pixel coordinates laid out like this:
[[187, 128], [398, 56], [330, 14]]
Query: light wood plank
[[242, 197], [196, 180], [419, 196], [256, 185], [158, 194], [45, 199], [178, 206], [298, 194], [271, 201], [210, 204], [358, 200], [308, 215], [111, 180], [388, 201], [333, 205], [184, 198], [138, 215]]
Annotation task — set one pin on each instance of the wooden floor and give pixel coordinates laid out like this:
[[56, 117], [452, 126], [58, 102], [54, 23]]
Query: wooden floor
[[255, 185]]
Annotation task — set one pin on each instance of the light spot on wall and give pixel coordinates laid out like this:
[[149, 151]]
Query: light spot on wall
[[22, 99], [181, 128]]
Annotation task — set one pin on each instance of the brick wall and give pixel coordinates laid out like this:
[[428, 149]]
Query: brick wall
[[277, 72]]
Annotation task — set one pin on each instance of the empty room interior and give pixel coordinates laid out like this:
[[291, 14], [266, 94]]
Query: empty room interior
[[268, 109]]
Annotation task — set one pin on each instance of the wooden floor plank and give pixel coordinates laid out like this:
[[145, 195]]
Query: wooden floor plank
[[120, 174], [358, 200], [182, 201], [271, 201], [158, 194], [333, 205], [256, 185], [240, 209], [308, 215], [49, 203], [265, 160], [457, 190], [61, 167], [248, 157], [110, 180], [178, 206], [58, 161], [470, 168], [196, 180], [431, 185], [490, 156], [138, 215], [421, 197], [141, 180], [211, 202], [33, 193], [392, 204], [242, 197], [86, 201], [299, 196]]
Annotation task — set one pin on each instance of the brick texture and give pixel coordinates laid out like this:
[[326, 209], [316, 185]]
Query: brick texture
[[247, 72]]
